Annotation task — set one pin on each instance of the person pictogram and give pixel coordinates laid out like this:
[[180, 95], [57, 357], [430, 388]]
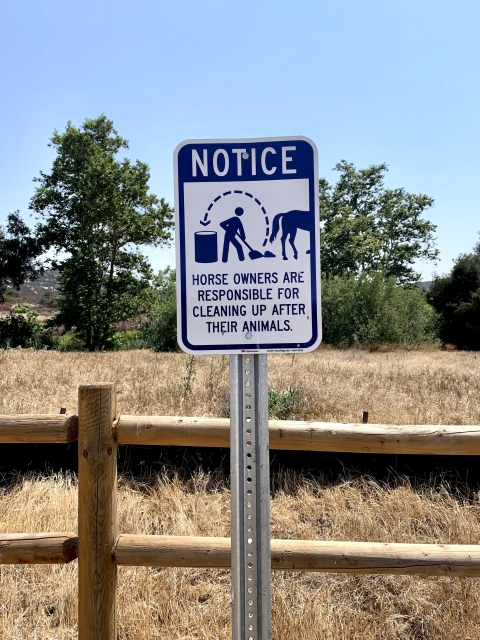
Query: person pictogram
[[233, 227]]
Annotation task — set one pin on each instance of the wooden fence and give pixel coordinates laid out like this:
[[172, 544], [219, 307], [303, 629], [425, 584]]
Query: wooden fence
[[100, 548]]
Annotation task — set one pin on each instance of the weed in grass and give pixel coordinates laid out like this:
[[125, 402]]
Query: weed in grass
[[189, 377], [284, 405]]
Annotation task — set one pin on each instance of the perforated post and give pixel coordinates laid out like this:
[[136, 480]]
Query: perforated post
[[250, 498]]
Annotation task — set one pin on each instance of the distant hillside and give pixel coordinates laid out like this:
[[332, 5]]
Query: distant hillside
[[40, 294], [426, 284], [36, 289]]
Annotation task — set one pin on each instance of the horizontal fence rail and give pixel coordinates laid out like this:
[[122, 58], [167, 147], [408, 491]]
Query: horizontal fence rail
[[287, 555], [284, 434], [305, 436], [38, 548], [38, 429]]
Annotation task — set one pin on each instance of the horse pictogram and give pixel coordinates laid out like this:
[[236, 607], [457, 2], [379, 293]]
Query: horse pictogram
[[292, 221]]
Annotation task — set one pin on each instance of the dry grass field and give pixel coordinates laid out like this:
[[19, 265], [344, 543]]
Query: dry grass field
[[397, 387], [183, 604]]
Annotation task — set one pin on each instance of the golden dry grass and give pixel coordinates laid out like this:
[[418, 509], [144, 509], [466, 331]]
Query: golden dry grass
[[183, 604], [399, 387]]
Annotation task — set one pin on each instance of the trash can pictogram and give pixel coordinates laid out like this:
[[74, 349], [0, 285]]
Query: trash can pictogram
[[206, 246]]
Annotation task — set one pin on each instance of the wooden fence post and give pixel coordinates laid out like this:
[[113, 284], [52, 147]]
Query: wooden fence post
[[97, 512]]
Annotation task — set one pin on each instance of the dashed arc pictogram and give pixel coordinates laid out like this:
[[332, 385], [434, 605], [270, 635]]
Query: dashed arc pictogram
[[205, 222]]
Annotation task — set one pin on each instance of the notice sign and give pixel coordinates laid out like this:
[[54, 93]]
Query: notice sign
[[247, 242]]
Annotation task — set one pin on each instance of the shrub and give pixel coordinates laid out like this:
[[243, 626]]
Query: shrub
[[372, 309], [21, 328], [123, 340], [49, 299], [160, 329], [120, 341], [69, 342], [10, 294]]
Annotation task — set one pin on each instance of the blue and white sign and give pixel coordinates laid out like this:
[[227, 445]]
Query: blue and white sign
[[247, 243]]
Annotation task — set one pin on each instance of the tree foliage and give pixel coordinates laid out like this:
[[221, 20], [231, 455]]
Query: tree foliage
[[19, 254], [97, 211], [367, 227], [456, 297], [371, 309], [160, 329]]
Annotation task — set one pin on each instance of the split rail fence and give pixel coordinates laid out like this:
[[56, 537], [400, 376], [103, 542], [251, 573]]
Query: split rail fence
[[99, 546]]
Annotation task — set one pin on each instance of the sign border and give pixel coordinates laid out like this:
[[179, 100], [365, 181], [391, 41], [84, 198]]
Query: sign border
[[295, 347]]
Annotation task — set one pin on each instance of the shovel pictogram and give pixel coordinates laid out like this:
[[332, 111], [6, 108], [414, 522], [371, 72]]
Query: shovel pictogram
[[253, 254]]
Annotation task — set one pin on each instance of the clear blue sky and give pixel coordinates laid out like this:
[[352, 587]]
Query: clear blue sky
[[371, 81]]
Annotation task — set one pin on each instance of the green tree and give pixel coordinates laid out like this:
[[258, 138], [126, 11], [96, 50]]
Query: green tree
[[160, 329], [19, 254], [97, 211], [367, 227], [456, 297]]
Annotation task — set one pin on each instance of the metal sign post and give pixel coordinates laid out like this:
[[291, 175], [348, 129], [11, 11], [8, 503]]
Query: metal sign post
[[250, 498]]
